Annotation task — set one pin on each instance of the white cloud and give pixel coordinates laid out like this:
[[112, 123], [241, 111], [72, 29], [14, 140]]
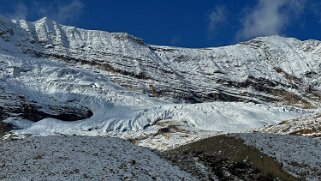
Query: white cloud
[[70, 12], [215, 18], [270, 17], [316, 9], [61, 11], [20, 12]]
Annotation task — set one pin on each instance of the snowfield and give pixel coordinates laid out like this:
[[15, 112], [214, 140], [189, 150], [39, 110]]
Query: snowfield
[[130, 86], [49, 82], [83, 158]]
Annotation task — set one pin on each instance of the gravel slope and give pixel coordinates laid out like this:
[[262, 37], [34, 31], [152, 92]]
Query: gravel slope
[[82, 158], [300, 156]]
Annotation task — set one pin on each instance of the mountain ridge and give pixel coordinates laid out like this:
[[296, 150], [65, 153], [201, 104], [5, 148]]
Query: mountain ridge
[[108, 73], [99, 48]]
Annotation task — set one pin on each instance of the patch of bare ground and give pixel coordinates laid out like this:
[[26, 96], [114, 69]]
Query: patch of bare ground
[[4, 128], [225, 157], [309, 126]]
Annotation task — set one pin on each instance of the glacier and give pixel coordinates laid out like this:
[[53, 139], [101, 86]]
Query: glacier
[[92, 82]]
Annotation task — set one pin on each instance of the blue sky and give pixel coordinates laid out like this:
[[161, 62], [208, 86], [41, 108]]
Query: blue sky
[[186, 23]]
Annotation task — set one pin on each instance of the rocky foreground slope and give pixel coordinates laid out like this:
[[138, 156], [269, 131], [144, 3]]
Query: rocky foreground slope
[[83, 158]]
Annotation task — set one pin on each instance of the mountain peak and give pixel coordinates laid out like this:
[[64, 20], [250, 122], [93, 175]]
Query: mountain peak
[[45, 20]]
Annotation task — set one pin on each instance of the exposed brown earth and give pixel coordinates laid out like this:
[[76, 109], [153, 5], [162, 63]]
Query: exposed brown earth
[[4, 128], [227, 158]]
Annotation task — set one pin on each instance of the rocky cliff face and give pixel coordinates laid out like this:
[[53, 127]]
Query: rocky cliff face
[[48, 60], [270, 69]]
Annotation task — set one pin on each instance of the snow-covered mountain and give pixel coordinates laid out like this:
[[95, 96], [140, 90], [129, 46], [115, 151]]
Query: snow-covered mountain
[[104, 82], [272, 69]]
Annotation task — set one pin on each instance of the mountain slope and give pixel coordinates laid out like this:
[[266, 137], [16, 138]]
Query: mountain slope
[[83, 158], [271, 69], [115, 83]]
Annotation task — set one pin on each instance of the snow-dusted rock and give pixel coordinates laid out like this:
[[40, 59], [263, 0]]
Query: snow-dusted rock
[[299, 156], [83, 158], [269, 69], [129, 86]]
